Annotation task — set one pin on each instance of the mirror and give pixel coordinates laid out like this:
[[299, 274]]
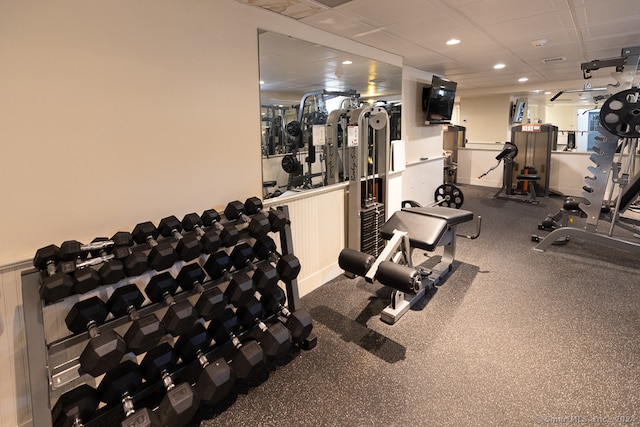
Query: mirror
[[301, 83]]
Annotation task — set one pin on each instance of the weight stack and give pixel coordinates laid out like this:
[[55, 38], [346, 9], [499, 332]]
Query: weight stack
[[371, 219]]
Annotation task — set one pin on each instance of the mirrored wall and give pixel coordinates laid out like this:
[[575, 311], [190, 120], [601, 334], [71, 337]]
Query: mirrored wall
[[301, 84]]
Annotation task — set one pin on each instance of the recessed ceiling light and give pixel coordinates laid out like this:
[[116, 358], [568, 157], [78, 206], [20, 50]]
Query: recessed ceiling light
[[523, 79], [547, 93], [261, 82], [347, 62], [452, 42], [499, 66]]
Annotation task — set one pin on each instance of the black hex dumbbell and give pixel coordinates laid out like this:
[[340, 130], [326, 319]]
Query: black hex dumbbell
[[134, 259], [188, 246], [277, 219], [240, 288], [119, 385], [258, 224], [299, 323], [103, 350], [180, 402], [264, 276], [111, 268], [249, 359], [162, 254], [228, 235], [72, 249], [288, 265], [180, 315], [145, 332], [210, 240], [212, 301], [216, 379], [54, 285], [75, 407], [275, 339]]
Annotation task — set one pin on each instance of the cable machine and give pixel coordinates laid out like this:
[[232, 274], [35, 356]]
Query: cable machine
[[367, 166]]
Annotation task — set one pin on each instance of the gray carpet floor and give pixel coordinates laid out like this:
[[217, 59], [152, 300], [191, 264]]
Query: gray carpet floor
[[513, 337]]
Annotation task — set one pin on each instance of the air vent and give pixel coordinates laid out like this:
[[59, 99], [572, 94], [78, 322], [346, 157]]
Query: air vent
[[332, 3], [555, 59]]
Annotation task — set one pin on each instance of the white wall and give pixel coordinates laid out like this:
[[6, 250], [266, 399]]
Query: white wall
[[423, 143], [119, 112], [486, 118]]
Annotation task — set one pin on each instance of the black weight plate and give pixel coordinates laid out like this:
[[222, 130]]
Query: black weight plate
[[620, 114], [449, 196]]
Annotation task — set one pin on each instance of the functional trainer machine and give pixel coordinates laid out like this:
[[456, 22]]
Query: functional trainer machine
[[425, 228], [619, 132], [526, 181]]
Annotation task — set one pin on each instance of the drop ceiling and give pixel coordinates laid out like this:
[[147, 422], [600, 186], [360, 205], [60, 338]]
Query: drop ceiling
[[521, 34]]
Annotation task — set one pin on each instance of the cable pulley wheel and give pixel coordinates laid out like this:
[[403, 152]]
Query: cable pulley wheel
[[290, 164], [449, 196], [620, 114]]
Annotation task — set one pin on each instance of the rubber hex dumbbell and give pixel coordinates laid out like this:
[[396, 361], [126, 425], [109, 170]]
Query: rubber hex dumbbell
[[249, 359], [299, 323], [162, 255], [180, 315], [212, 301], [210, 240], [145, 332], [188, 246], [72, 249], [288, 265], [259, 224], [119, 385], [103, 350], [264, 276], [277, 218], [240, 288], [216, 379], [111, 269], [275, 339], [134, 261], [75, 407], [54, 285], [228, 235], [180, 403]]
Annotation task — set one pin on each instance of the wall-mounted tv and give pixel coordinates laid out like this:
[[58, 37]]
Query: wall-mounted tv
[[437, 100]]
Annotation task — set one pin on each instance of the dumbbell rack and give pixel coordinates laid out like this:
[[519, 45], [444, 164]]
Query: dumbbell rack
[[54, 368]]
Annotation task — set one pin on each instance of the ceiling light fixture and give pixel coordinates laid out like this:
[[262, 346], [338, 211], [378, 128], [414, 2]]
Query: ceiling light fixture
[[499, 66], [347, 62], [522, 79], [261, 82], [452, 42]]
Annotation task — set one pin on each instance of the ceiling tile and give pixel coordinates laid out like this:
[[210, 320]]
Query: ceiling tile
[[496, 11], [338, 23]]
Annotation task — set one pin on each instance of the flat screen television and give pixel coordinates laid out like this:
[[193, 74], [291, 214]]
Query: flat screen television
[[437, 100]]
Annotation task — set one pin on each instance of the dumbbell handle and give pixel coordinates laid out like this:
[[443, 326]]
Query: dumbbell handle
[[127, 404], [167, 381], [93, 261], [152, 241], [51, 268], [176, 234], [92, 329], [202, 358]]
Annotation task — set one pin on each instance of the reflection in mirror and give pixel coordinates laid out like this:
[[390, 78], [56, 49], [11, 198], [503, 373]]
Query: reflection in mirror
[[306, 91]]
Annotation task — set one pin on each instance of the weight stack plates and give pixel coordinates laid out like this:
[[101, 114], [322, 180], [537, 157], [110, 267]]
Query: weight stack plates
[[371, 219]]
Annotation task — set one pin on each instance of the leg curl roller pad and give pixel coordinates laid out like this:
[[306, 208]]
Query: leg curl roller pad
[[400, 277], [355, 262]]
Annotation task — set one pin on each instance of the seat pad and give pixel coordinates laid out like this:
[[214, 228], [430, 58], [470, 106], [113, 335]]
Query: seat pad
[[424, 231], [451, 215]]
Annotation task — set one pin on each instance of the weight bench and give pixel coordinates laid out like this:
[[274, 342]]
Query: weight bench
[[423, 228]]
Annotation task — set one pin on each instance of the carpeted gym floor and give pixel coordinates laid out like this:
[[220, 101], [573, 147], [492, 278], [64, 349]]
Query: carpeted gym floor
[[513, 337]]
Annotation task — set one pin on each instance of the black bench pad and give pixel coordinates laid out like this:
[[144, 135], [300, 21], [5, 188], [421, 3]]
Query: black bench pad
[[451, 215], [424, 231]]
